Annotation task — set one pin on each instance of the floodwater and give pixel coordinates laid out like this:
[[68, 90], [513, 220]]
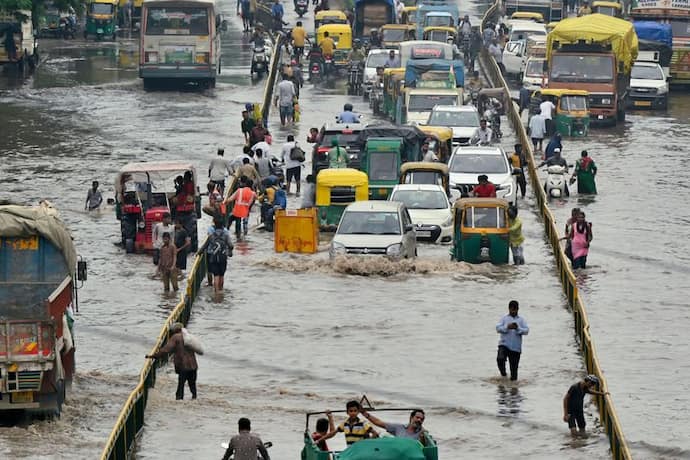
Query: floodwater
[[295, 334]]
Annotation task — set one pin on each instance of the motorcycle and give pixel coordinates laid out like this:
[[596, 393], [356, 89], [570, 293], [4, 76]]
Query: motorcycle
[[315, 66], [376, 98], [67, 29], [493, 117], [556, 185], [329, 67], [259, 61], [355, 77], [301, 7]]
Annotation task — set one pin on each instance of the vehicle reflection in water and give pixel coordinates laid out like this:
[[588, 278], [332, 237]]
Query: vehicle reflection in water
[[509, 400]]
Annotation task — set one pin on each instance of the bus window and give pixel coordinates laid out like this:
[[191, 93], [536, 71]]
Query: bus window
[[177, 21]]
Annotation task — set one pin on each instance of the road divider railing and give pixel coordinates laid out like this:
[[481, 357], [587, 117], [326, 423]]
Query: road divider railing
[[130, 421], [264, 16], [607, 411]]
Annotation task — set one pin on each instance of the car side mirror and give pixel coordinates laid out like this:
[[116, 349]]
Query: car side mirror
[[81, 270], [409, 228]]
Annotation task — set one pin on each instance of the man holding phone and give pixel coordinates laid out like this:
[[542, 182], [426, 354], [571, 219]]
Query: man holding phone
[[511, 327]]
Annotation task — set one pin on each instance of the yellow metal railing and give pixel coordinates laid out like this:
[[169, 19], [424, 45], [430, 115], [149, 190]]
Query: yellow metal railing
[[131, 419], [607, 411]]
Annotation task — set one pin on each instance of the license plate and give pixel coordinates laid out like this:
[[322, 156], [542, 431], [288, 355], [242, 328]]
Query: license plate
[[423, 234], [99, 31], [642, 103], [23, 397]]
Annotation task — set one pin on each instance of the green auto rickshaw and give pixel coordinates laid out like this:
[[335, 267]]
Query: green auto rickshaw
[[101, 19], [572, 111], [381, 163], [481, 231], [335, 189]]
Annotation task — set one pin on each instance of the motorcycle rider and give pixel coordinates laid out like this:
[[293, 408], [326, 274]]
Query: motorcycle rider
[[357, 53], [374, 39], [483, 134], [474, 84], [299, 37], [347, 115], [327, 46], [555, 160], [258, 39], [464, 26]]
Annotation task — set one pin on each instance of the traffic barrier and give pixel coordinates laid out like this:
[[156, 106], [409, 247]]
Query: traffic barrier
[[607, 411], [297, 230], [265, 17]]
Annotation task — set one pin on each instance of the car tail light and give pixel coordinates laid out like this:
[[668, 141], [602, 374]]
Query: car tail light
[[151, 57], [323, 150], [202, 58]]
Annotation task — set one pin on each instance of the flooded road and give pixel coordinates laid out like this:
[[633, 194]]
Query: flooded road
[[294, 334]]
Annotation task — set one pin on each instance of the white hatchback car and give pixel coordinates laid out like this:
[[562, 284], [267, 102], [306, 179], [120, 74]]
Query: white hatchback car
[[375, 228], [375, 58], [429, 209], [463, 119], [467, 163]]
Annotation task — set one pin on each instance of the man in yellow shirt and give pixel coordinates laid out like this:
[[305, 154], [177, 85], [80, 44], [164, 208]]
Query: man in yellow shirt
[[299, 37], [327, 45]]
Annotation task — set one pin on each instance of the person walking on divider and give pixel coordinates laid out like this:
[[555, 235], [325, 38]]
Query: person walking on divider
[[511, 327]]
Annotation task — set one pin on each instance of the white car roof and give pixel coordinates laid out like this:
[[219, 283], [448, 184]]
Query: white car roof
[[646, 64], [454, 108], [478, 150], [529, 26], [419, 187], [374, 205]]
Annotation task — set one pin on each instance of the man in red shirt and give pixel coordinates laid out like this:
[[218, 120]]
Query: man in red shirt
[[485, 189]]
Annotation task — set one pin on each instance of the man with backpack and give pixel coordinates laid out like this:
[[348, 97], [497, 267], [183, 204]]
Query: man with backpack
[[218, 247], [292, 157]]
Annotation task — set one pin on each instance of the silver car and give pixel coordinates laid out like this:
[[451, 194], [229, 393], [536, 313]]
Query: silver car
[[375, 228]]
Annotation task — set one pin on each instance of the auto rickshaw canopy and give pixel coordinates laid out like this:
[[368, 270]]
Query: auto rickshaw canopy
[[410, 166], [409, 15], [615, 6], [485, 224], [342, 177], [528, 15], [324, 17], [340, 33], [442, 133], [408, 32]]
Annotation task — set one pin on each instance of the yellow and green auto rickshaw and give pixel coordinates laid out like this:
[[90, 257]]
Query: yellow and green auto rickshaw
[[101, 19], [425, 172], [572, 111], [342, 36], [335, 189], [527, 16], [439, 33], [409, 15], [392, 85], [393, 34], [324, 17], [441, 140], [480, 231], [613, 9]]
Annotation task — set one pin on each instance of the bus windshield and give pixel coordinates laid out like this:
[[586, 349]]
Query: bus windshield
[[178, 20]]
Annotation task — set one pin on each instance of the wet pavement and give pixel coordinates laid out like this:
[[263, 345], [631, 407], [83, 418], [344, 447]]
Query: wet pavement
[[296, 333]]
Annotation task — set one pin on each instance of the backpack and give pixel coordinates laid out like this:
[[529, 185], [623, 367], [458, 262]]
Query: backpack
[[297, 154], [217, 249]]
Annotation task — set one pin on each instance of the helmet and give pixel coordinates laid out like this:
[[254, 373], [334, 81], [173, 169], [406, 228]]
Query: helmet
[[374, 31], [357, 42], [593, 379], [348, 107]]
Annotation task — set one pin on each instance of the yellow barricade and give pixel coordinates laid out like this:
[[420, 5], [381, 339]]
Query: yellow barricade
[[297, 231], [607, 412]]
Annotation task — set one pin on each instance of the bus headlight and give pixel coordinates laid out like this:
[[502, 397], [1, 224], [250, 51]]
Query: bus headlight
[[151, 57], [202, 58]]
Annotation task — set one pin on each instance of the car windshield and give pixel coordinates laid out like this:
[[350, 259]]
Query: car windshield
[[421, 199], [454, 118], [177, 20], [647, 73], [535, 68], [377, 59], [101, 8], [478, 164], [426, 102], [369, 223], [383, 166], [393, 35], [343, 139]]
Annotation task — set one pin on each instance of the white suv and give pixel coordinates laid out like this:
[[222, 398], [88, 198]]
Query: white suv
[[375, 228], [467, 163]]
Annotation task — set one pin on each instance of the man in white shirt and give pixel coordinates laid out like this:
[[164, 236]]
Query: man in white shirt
[[537, 130], [547, 109], [483, 134], [217, 169], [293, 168], [265, 148], [285, 100], [157, 236], [497, 53], [429, 155]]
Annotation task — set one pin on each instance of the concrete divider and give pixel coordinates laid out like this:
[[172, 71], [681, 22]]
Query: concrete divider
[[607, 411]]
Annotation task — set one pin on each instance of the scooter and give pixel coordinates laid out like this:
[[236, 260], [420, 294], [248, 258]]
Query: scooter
[[259, 61], [556, 185], [354, 78], [301, 7]]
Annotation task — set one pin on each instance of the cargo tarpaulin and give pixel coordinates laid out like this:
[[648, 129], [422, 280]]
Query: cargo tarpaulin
[[654, 31], [599, 29]]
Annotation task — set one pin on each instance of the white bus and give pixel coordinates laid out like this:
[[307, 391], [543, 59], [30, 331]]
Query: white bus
[[180, 39]]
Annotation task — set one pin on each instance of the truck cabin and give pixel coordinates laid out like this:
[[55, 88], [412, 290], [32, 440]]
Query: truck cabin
[[582, 63]]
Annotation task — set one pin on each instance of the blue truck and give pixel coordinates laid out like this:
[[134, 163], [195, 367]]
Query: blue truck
[[39, 276]]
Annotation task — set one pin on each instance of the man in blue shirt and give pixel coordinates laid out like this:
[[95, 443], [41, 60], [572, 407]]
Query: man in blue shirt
[[277, 12], [511, 327], [347, 115]]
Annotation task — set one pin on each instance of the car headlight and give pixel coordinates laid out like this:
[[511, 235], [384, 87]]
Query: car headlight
[[662, 90], [337, 249], [606, 100], [507, 189], [394, 250], [448, 222]]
